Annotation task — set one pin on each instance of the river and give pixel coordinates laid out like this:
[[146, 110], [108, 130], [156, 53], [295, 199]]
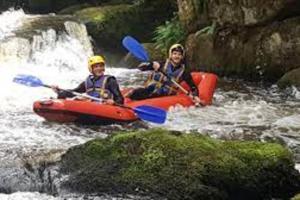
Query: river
[[240, 111]]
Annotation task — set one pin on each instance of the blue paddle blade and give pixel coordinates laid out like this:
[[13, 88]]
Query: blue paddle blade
[[135, 48], [28, 80], [151, 114]]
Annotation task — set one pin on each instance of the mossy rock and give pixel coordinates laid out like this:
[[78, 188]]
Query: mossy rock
[[181, 166], [291, 78], [253, 54], [109, 24]]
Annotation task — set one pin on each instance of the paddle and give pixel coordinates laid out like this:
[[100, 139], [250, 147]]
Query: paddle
[[144, 112], [136, 49]]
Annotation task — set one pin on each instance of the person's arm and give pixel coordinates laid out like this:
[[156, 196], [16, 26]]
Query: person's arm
[[189, 80], [113, 86], [62, 94], [80, 88], [147, 66]]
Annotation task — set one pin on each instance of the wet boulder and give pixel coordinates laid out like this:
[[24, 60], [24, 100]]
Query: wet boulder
[[199, 13], [263, 52], [291, 78], [109, 24], [181, 166]]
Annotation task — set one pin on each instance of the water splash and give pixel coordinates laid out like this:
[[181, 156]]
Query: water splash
[[9, 21], [295, 92]]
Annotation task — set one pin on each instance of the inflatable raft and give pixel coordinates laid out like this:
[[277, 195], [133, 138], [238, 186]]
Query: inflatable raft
[[88, 112]]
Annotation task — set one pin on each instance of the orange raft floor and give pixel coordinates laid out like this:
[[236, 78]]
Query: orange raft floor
[[87, 112]]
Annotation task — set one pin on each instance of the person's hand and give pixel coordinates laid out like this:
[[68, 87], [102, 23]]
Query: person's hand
[[197, 101], [55, 88], [142, 66], [156, 66], [109, 101]]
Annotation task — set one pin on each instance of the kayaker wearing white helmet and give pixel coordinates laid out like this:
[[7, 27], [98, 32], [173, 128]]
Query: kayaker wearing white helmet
[[158, 84], [97, 84]]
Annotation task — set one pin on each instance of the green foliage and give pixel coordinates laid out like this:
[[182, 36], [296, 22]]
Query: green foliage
[[169, 33]]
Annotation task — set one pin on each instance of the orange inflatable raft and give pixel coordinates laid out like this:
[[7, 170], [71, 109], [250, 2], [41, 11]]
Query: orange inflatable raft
[[88, 112]]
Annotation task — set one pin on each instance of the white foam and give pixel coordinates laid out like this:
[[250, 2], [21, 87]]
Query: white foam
[[9, 21]]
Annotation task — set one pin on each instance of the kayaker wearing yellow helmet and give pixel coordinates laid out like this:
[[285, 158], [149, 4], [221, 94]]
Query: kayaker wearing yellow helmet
[[97, 84], [158, 84]]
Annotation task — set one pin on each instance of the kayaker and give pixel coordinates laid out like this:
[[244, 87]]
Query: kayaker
[[158, 84], [96, 84]]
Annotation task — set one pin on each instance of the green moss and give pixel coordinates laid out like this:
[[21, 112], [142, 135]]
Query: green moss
[[290, 78], [97, 14], [109, 24], [182, 166]]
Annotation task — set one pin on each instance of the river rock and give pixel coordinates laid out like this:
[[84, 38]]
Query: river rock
[[263, 52], [181, 166], [197, 13], [290, 78], [109, 24]]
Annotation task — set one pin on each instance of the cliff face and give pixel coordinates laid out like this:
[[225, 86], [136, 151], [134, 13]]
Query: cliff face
[[251, 38]]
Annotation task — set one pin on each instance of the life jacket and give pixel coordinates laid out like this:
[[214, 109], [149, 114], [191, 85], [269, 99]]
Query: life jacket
[[158, 83], [97, 88]]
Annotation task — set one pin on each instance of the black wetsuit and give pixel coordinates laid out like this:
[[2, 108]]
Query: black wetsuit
[[110, 85], [144, 93]]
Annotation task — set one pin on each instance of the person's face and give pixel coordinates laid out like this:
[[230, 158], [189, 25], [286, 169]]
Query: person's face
[[176, 57], [98, 69]]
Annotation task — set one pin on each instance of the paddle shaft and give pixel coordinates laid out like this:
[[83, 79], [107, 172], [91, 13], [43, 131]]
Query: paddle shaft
[[89, 97], [138, 51], [175, 83], [142, 113], [76, 93], [181, 88]]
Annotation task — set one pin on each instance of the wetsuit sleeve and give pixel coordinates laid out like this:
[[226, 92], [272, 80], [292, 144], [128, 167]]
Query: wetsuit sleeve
[[148, 66], [80, 88], [65, 94], [145, 66], [189, 80], [113, 86]]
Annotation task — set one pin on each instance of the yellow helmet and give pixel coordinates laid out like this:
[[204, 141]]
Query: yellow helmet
[[94, 60], [176, 47]]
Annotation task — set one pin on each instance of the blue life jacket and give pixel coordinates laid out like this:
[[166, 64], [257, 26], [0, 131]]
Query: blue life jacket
[[97, 88], [159, 84]]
